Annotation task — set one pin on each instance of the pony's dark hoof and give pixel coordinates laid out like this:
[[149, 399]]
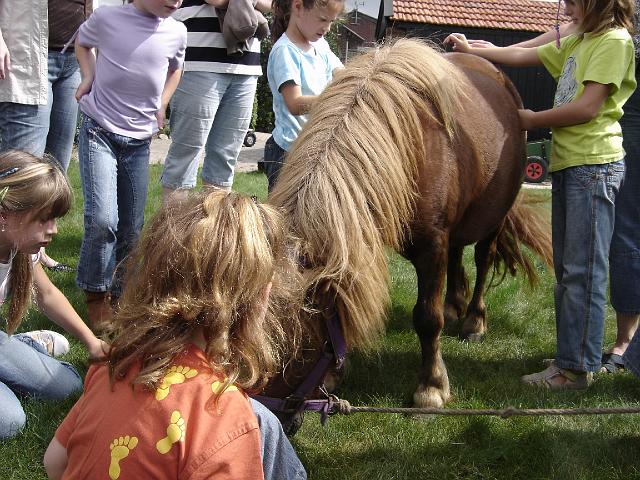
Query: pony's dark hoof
[[450, 329], [472, 337]]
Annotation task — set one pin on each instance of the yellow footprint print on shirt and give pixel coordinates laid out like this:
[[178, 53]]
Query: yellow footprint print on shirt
[[175, 433], [120, 448], [216, 387], [176, 374]]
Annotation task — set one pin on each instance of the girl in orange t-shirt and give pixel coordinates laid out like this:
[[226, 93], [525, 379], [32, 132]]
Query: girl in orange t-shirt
[[197, 326]]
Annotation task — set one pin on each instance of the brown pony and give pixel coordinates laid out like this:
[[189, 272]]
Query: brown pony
[[421, 152]]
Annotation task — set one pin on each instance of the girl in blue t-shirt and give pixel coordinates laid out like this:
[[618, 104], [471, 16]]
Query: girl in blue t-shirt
[[595, 70], [301, 64]]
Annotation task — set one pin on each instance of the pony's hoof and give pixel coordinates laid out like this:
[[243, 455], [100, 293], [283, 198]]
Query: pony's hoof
[[430, 397], [472, 337], [451, 319], [450, 329]]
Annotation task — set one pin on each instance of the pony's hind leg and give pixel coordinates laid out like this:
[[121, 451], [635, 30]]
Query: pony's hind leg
[[455, 301], [474, 325], [428, 320]]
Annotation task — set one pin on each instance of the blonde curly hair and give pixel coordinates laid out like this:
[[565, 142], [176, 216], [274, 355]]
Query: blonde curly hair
[[204, 264]]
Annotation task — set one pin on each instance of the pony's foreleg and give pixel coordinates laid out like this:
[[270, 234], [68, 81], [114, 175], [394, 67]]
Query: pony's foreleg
[[428, 320], [455, 301], [474, 325]]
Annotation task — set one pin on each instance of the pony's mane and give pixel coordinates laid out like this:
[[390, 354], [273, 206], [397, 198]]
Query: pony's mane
[[349, 181]]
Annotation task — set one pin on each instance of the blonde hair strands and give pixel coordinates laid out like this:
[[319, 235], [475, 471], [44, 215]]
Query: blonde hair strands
[[356, 160], [204, 264]]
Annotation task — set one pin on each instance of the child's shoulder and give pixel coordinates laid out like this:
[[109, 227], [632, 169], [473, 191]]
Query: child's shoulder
[[282, 43], [176, 24], [613, 34], [284, 48]]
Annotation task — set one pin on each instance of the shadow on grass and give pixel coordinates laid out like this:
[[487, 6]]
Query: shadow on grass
[[391, 377], [480, 449]]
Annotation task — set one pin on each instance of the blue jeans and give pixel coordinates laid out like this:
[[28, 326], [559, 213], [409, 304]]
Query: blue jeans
[[26, 369], [624, 258], [583, 211], [114, 171], [210, 111], [279, 459], [273, 160], [50, 127]]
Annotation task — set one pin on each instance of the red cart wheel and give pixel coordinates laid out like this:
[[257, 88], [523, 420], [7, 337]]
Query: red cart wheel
[[536, 170]]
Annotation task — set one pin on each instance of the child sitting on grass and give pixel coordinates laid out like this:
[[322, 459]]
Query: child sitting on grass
[[197, 326], [33, 193]]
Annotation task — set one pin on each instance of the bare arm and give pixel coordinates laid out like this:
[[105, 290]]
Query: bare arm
[[87, 62], [542, 39], [548, 36], [263, 6], [170, 85], [55, 460], [580, 110], [57, 308], [218, 3], [5, 58], [514, 56], [296, 103]]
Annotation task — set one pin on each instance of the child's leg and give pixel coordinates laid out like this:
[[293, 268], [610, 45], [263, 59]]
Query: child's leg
[[273, 160], [98, 172], [193, 108], [30, 371], [580, 294], [133, 180], [279, 459], [229, 129], [12, 418]]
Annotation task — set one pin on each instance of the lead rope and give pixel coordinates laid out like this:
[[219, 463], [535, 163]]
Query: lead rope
[[557, 27], [344, 407]]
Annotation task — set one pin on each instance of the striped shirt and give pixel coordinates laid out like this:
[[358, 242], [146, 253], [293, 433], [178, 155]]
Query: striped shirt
[[206, 49]]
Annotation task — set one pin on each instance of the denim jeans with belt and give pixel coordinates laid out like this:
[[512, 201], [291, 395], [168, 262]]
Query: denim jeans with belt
[[50, 127], [114, 170], [583, 212], [210, 111], [27, 369]]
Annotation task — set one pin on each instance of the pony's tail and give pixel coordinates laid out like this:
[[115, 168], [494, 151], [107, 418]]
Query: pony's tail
[[522, 225]]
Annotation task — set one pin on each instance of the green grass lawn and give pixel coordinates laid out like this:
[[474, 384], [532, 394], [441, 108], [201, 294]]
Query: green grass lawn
[[391, 446]]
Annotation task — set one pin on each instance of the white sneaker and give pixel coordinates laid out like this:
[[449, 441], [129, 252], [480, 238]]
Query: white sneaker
[[54, 343]]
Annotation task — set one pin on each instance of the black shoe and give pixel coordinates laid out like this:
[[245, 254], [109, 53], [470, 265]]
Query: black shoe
[[60, 267]]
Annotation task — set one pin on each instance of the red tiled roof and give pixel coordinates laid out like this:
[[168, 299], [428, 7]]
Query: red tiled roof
[[527, 15]]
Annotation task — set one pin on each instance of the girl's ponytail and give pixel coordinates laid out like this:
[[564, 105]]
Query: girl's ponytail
[[20, 282], [281, 10]]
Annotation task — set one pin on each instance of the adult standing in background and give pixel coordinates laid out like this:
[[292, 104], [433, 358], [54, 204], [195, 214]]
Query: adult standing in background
[[38, 110], [212, 106]]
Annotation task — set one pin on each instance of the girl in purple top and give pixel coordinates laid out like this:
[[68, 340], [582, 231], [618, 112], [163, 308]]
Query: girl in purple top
[[123, 97]]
